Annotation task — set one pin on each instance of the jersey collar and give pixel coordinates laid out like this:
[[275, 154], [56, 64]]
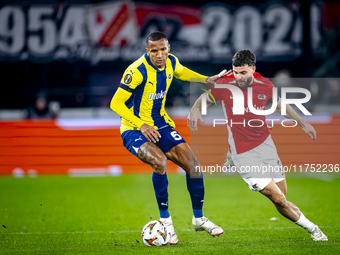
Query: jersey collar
[[150, 63]]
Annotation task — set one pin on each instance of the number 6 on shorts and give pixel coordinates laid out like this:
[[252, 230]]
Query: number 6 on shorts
[[175, 135]]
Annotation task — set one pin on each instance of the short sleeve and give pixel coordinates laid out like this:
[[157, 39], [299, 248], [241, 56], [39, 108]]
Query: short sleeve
[[131, 79]]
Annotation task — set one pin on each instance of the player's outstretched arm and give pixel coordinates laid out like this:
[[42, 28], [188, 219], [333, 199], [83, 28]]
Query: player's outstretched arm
[[195, 114], [185, 74], [291, 114]]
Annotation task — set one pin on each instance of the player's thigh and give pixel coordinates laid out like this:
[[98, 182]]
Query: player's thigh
[[151, 154], [274, 193], [282, 184], [177, 150], [183, 156]]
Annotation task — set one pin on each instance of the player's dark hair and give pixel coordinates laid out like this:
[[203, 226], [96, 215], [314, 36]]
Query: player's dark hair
[[155, 36], [244, 57]]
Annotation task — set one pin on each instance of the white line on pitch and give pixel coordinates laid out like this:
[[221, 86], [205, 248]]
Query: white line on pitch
[[131, 231]]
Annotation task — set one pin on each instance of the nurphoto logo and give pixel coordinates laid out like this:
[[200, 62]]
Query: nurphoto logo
[[239, 108], [238, 100]]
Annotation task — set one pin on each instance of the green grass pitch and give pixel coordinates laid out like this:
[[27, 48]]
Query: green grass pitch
[[105, 215]]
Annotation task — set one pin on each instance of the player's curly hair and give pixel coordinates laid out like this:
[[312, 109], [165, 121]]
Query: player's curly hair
[[244, 57], [155, 36]]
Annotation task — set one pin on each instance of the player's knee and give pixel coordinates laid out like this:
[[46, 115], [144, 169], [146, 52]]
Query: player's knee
[[159, 165], [195, 169]]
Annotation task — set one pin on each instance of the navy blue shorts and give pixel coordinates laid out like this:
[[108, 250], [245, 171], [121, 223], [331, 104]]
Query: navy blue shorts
[[133, 139]]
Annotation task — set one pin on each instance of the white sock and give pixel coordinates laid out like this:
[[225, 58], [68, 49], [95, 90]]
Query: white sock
[[305, 223], [162, 219]]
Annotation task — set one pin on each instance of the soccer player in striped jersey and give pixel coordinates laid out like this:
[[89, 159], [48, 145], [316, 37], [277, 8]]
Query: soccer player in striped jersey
[[149, 133], [251, 145]]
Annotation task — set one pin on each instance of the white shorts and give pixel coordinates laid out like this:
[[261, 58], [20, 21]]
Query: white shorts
[[260, 165]]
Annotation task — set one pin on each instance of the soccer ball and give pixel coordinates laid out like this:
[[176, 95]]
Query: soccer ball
[[155, 233]]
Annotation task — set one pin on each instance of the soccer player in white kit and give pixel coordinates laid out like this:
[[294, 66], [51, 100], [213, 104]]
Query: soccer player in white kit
[[251, 145]]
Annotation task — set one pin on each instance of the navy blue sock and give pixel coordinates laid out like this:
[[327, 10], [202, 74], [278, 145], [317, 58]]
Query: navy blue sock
[[160, 185], [196, 189]]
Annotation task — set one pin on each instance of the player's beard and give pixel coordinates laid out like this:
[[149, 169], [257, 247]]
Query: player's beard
[[242, 83]]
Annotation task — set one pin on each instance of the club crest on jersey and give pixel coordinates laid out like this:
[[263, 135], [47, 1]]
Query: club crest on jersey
[[127, 79], [261, 96], [169, 76]]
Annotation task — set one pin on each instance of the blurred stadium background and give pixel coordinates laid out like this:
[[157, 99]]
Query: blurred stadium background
[[62, 61]]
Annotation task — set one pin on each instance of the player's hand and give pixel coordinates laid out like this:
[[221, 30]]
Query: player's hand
[[150, 133], [211, 80], [309, 130], [193, 118]]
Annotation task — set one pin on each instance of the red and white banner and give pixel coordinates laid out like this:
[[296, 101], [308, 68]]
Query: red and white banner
[[112, 24]]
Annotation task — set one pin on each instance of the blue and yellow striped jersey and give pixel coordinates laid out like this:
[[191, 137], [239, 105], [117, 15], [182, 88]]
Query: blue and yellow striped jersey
[[141, 95]]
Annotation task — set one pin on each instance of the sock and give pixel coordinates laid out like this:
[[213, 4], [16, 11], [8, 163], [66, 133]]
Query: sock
[[196, 189], [163, 219], [305, 223], [160, 185]]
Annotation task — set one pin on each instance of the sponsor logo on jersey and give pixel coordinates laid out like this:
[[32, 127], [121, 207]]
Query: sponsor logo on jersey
[[155, 96], [262, 96]]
